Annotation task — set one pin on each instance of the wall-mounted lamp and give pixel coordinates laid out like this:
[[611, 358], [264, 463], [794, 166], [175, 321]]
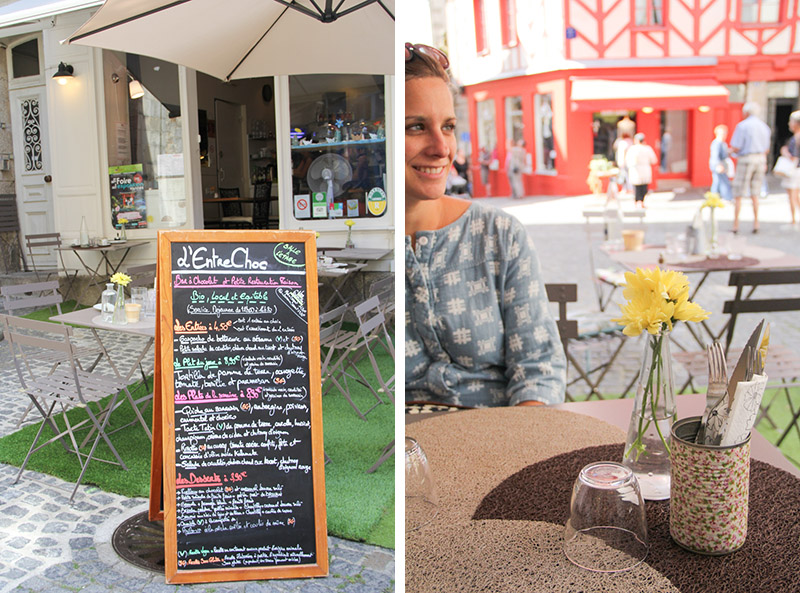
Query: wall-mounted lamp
[[135, 88], [704, 109], [64, 73], [647, 110]]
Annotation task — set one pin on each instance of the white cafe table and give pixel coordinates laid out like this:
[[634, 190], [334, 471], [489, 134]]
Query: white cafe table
[[90, 318]]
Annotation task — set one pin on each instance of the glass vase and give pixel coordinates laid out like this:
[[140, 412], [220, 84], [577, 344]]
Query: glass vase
[[713, 244], [119, 307], [123, 233], [647, 444], [349, 241]]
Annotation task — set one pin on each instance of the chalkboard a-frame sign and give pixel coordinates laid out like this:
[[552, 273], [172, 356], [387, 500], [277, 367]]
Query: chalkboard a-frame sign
[[241, 413]]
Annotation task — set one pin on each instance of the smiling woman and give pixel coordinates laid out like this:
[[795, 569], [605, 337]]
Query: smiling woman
[[478, 331]]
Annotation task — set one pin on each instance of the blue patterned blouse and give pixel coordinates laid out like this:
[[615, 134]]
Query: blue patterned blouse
[[478, 326]]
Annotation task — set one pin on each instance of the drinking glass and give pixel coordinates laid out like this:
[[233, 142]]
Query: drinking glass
[[736, 247], [421, 498], [139, 296], [607, 527]]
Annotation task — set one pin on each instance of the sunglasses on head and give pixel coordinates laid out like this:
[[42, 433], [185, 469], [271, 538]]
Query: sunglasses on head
[[431, 52]]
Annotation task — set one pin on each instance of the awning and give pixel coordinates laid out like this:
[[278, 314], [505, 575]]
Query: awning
[[25, 11], [599, 94]]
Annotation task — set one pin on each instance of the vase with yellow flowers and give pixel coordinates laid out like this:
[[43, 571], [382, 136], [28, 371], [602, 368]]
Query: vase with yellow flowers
[[656, 300], [349, 241], [713, 201], [123, 234], [121, 280]]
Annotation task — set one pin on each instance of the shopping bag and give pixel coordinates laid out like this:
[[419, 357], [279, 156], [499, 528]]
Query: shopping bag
[[784, 167]]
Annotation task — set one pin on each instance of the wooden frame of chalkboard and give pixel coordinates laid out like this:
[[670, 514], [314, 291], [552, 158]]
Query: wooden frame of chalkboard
[[243, 477]]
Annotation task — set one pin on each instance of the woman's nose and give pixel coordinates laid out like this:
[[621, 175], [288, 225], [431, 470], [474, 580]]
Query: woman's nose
[[437, 144]]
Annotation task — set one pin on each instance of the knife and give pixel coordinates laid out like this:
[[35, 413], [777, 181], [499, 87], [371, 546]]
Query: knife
[[741, 367]]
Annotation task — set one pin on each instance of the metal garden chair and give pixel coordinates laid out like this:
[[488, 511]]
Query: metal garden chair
[[64, 388]]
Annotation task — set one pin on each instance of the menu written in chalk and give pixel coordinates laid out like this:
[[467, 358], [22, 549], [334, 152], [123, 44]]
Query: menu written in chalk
[[244, 496]]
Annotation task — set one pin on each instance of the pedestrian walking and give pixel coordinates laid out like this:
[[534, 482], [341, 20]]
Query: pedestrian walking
[[640, 159], [621, 146], [461, 166], [792, 150], [485, 162], [515, 165], [718, 162], [750, 143]]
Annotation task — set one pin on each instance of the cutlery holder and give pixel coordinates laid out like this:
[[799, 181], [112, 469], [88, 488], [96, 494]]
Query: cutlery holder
[[710, 491]]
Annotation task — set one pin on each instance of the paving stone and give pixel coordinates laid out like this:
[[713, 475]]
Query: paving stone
[[15, 511], [55, 527], [28, 564], [18, 542]]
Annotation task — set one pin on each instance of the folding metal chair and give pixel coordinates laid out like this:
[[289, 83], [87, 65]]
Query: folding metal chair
[[21, 297], [587, 332], [606, 281], [783, 364], [350, 347], [384, 290], [66, 387], [42, 249]]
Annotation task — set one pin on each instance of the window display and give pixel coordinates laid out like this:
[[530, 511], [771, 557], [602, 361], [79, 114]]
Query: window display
[[338, 146]]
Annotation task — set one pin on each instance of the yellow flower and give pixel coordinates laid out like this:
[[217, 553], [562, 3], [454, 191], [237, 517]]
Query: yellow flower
[[120, 278], [349, 222], [712, 201], [656, 300], [122, 220]]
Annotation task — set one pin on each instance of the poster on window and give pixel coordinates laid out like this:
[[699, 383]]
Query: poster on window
[[128, 206]]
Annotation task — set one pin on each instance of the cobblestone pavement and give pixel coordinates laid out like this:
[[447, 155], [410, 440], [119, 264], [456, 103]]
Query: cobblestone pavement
[[50, 546]]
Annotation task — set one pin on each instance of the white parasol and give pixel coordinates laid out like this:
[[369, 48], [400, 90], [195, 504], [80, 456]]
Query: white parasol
[[232, 39]]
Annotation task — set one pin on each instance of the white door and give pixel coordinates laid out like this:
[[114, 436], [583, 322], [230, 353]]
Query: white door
[[28, 98]]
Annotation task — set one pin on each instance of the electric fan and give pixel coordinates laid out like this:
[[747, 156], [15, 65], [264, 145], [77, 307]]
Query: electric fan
[[328, 173]]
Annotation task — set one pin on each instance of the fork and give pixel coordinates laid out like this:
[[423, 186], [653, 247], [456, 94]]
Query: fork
[[717, 386]]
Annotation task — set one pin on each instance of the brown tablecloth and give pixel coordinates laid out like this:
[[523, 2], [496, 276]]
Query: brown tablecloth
[[504, 477]]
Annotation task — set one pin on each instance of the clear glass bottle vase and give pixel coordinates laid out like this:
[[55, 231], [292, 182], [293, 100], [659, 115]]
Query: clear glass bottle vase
[[647, 444], [119, 307], [107, 300]]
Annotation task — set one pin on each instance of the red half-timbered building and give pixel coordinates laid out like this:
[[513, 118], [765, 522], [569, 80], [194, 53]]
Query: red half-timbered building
[[560, 75]]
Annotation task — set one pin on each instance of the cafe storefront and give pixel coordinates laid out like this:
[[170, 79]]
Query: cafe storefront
[[132, 141]]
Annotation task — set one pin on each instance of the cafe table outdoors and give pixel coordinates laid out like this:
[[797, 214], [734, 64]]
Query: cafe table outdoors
[[748, 257], [126, 368], [105, 267], [337, 266], [504, 478]]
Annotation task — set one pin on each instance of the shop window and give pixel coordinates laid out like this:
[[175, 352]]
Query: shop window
[[481, 41], [25, 59], [648, 13], [515, 129], [487, 131], [760, 11], [545, 145], [338, 142], [144, 142], [508, 22]]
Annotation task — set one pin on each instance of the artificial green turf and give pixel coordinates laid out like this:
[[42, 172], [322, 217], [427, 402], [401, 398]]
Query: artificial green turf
[[781, 412], [360, 506]]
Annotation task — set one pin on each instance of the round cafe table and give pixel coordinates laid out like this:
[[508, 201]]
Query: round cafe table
[[504, 478]]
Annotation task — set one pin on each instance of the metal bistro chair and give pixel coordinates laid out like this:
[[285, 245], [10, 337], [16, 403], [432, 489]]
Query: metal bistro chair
[[41, 257], [21, 297], [606, 280], [66, 387], [591, 332], [783, 364], [232, 212]]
